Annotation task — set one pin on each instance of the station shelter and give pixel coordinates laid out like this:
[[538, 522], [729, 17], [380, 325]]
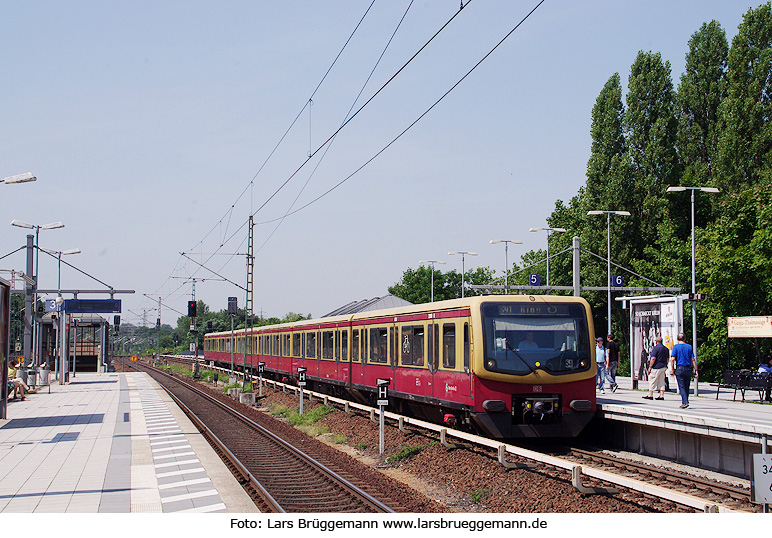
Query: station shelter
[[85, 341]]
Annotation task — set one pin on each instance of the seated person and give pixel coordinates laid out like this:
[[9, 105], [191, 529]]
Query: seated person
[[528, 343], [766, 365], [16, 384]]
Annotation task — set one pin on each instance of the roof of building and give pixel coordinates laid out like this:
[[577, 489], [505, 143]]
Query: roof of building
[[366, 305]]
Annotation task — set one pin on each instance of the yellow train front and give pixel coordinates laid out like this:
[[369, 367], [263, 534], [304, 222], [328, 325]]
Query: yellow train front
[[504, 366]]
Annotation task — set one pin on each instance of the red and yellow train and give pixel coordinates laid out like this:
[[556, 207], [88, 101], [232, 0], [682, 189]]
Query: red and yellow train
[[506, 366]]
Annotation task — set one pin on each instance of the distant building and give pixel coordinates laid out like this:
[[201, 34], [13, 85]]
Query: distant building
[[376, 303]]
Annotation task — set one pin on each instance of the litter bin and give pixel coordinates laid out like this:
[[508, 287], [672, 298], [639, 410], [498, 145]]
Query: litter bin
[[31, 377], [44, 374]]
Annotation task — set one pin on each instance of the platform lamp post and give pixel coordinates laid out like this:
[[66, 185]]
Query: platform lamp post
[[463, 254], [694, 270], [608, 253], [59, 301], [432, 262], [506, 258], [549, 232], [62, 361], [37, 228]]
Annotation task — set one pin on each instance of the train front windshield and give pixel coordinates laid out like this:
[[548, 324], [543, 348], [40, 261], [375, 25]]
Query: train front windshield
[[522, 338]]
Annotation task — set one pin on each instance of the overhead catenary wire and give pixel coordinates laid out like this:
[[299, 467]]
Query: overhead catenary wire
[[390, 143], [250, 185], [418, 119]]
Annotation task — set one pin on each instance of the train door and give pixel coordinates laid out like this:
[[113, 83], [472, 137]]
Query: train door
[[358, 355], [452, 380], [344, 363]]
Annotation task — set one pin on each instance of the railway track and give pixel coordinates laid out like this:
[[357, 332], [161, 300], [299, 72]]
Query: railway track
[[716, 494], [728, 495], [278, 476]]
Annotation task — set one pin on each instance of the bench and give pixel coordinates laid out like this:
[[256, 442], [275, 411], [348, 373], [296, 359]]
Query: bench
[[745, 380]]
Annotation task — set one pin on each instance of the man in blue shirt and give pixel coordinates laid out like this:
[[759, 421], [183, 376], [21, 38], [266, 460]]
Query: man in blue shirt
[[685, 364], [601, 361]]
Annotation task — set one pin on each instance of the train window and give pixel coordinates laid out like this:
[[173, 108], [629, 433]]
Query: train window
[[355, 345], [287, 345], [379, 345], [412, 345], [337, 345], [311, 345], [344, 346], [296, 344], [449, 345], [327, 344]]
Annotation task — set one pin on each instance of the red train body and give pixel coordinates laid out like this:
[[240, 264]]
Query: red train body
[[505, 366]]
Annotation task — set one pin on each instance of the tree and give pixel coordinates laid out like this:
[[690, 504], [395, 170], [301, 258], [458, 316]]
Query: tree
[[745, 144], [415, 284], [651, 127]]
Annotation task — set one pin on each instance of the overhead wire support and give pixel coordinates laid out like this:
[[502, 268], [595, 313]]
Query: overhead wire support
[[249, 306], [211, 271]]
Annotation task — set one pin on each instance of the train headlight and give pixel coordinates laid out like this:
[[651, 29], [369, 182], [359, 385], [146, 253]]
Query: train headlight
[[490, 364]]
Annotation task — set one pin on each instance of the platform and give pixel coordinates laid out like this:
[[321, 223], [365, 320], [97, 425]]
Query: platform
[[110, 443], [717, 434]]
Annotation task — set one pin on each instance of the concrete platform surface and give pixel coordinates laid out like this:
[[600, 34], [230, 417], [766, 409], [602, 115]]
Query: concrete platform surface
[[110, 443]]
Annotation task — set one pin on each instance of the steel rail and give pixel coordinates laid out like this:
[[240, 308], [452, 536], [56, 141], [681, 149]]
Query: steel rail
[[684, 499], [353, 490]]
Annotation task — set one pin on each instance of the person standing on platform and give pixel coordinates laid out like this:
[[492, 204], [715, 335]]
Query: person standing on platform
[[685, 366], [657, 369], [613, 357], [601, 358]]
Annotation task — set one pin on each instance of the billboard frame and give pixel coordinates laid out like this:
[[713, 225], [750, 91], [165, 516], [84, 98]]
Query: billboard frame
[[652, 312]]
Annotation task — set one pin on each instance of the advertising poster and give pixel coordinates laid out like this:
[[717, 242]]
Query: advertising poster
[[651, 317], [5, 319]]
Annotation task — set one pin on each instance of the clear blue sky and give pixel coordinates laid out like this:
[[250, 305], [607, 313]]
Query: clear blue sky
[[148, 125]]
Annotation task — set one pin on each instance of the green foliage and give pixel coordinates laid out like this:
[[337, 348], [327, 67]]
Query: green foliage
[[416, 284], [309, 416], [715, 130], [479, 495], [405, 452]]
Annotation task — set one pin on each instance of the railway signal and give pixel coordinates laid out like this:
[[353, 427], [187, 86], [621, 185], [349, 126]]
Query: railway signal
[[301, 384], [383, 401]]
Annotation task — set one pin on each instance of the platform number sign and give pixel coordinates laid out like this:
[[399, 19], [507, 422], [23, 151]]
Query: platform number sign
[[761, 479], [617, 281], [534, 280], [301, 377], [383, 392]]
